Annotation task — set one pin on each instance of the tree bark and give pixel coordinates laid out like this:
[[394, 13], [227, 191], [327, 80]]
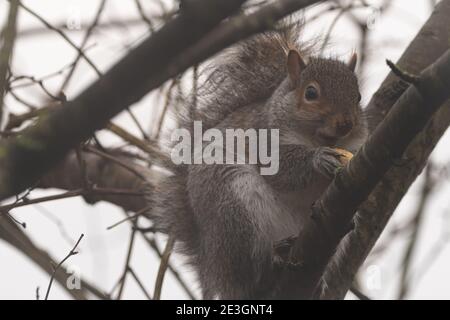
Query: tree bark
[[67, 175], [375, 212]]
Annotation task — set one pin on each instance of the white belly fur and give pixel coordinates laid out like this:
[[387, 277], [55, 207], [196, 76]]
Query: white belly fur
[[298, 203]]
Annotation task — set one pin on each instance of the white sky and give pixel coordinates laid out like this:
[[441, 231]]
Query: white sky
[[103, 252]]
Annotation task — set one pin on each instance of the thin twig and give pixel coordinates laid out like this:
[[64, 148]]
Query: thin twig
[[332, 25], [149, 148], [116, 160], [71, 253], [165, 108], [24, 102], [8, 35], [153, 245], [33, 80], [127, 264], [73, 193], [163, 267], [58, 223], [137, 123], [129, 217], [87, 35], [62, 34], [139, 282], [15, 237], [359, 294], [427, 187], [144, 16]]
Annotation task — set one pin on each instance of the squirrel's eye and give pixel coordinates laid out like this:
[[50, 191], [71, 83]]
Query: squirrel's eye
[[359, 97], [311, 93]]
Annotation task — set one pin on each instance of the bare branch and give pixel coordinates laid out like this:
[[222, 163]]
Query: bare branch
[[405, 279], [127, 264], [163, 268], [71, 253], [87, 35], [62, 34], [105, 174], [7, 37], [152, 244], [139, 282], [334, 211], [63, 129], [376, 211]]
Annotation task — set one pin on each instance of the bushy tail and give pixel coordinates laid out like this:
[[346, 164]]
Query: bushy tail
[[169, 210]]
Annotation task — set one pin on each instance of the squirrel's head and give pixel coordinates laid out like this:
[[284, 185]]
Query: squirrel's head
[[327, 95]]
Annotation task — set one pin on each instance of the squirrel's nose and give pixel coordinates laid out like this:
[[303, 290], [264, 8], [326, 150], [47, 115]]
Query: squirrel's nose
[[343, 127]]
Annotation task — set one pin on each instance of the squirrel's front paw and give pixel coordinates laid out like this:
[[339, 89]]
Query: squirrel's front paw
[[328, 160]]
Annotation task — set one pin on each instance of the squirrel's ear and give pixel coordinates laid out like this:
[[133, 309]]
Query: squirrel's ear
[[295, 65], [352, 62]]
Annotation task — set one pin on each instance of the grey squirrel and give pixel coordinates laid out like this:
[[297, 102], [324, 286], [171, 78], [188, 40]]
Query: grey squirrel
[[229, 220]]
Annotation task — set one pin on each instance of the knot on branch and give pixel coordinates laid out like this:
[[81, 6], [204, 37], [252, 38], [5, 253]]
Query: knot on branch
[[404, 75]]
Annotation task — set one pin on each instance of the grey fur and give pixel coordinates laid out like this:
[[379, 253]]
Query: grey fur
[[228, 218]]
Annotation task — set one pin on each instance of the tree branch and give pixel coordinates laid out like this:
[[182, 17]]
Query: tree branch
[[373, 215], [406, 278], [63, 129], [334, 211]]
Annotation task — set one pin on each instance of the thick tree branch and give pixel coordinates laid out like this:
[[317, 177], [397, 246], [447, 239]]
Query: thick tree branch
[[429, 44], [103, 173], [373, 215], [334, 211], [163, 57]]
